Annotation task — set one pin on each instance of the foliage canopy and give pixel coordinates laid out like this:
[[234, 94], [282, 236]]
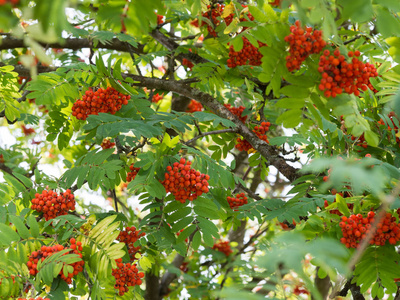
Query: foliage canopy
[[243, 149]]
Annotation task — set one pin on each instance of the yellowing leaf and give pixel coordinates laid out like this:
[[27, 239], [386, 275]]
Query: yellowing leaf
[[232, 27], [145, 263], [155, 141], [229, 9], [252, 150], [170, 143]]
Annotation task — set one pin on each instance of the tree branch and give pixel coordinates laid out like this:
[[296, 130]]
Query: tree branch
[[168, 277], [269, 152], [152, 292]]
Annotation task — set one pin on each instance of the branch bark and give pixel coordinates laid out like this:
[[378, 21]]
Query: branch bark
[[168, 277], [152, 286], [269, 152], [322, 284]]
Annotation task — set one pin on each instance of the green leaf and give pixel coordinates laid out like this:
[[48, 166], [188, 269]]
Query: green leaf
[[16, 184], [396, 103], [206, 212], [34, 226], [196, 241], [378, 266], [293, 91], [179, 214], [101, 226], [290, 118], [342, 205], [207, 227], [258, 14], [357, 10], [371, 138], [100, 66], [185, 234], [387, 24], [182, 223], [7, 235], [21, 228], [25, 180]]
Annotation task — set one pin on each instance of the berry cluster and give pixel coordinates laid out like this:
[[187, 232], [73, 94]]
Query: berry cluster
[[235, 202], [184, 182], [160, 19], [47, 251], [187, 63], [302, 43], [223, 247], [212, 14], [237, 111], [215, 16], [194, 106], [27, 131], [2, 160], [156, 98], [248, 55], [339, 76], [391, 126], [132, 174], [355, 228], [107, 144], [53, 205], [244, 145], [129, 236], [126, 275], [101, 101], [12, 2]]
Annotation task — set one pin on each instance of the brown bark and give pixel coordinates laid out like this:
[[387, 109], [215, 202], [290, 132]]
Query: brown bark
[[269, 152], [323, 285], [152, 286], [169, 277]]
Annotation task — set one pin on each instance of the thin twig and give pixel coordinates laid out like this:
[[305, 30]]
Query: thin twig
[[243, 178], [140, 145], [119, 201], [115, 199], [34, 166], [229, 130], [120, 148], [198, 127], [352, 40], [250, 193]]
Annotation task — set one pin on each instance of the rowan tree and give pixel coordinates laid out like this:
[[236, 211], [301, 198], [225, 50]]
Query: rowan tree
[[243, 149]]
